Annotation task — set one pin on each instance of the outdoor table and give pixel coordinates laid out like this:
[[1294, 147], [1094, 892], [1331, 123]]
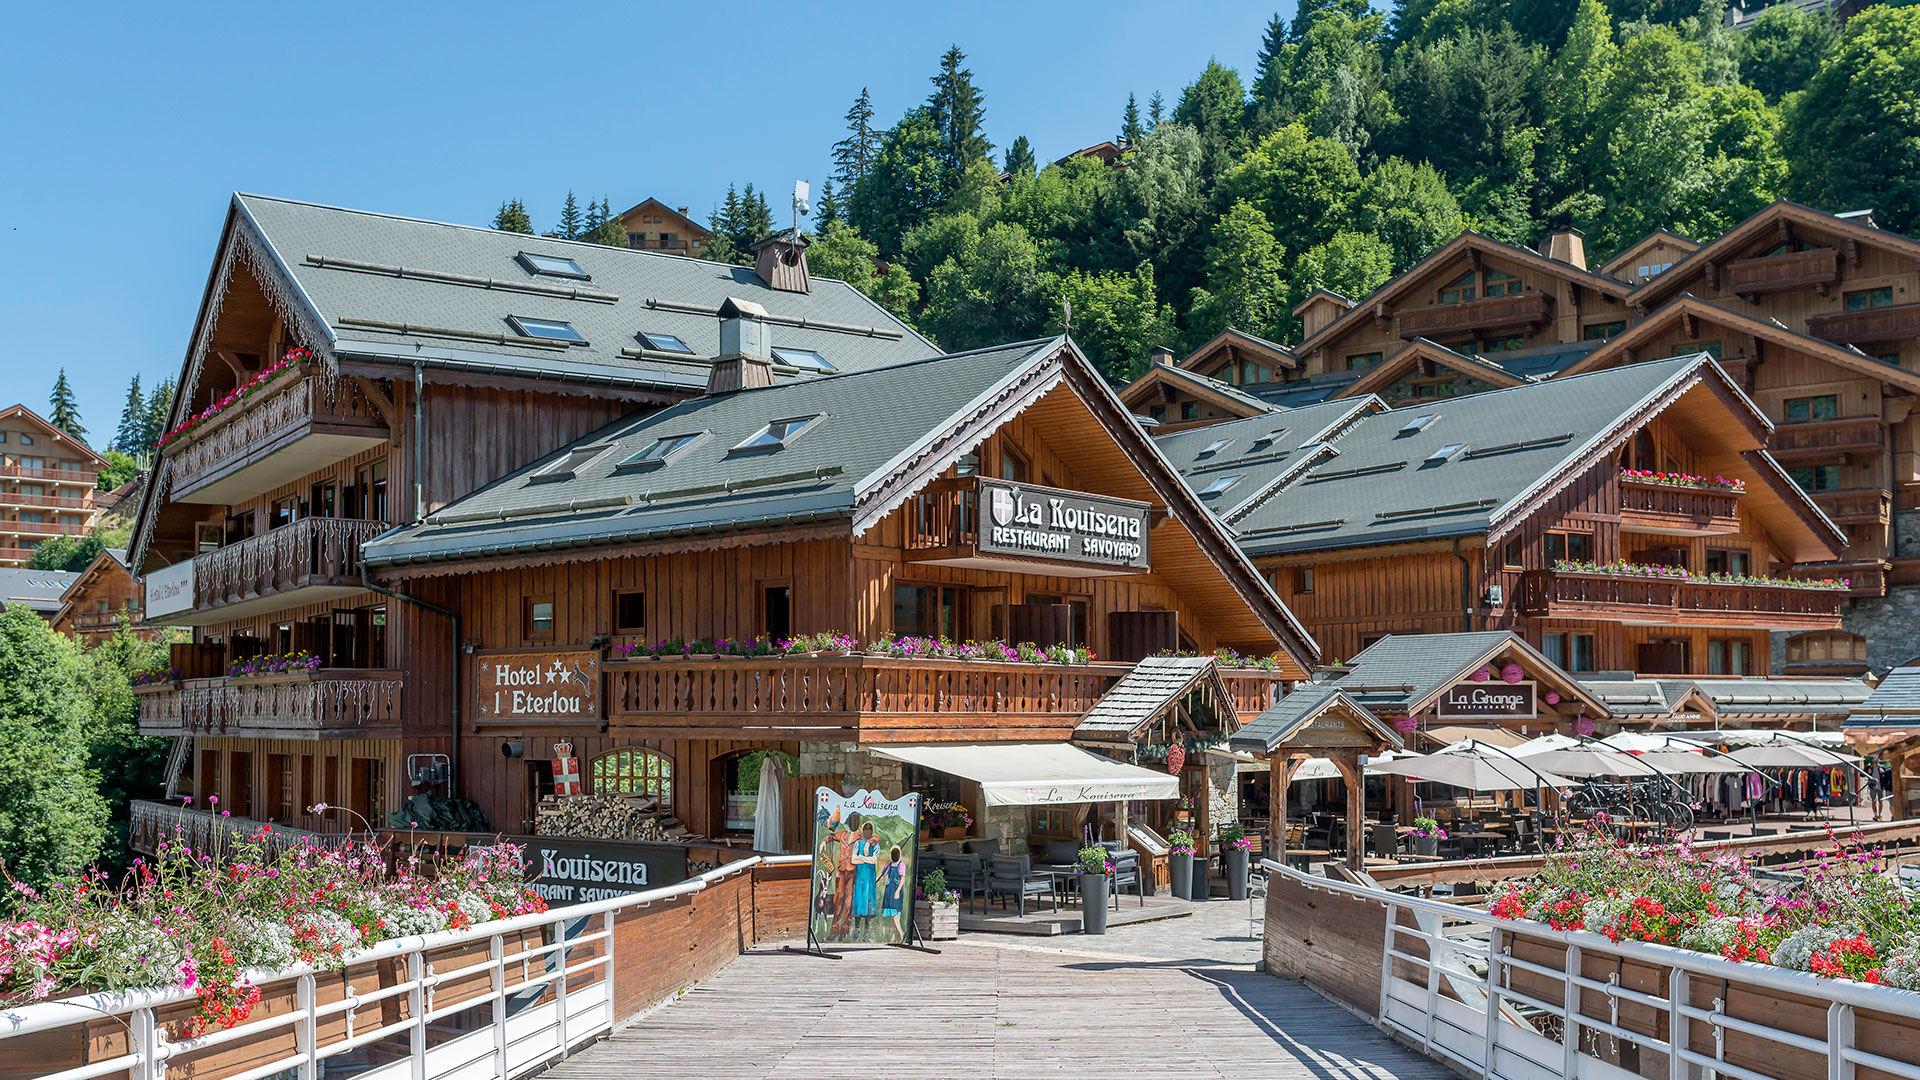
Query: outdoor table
[[1062, 874], [1300, 858], [1479, 838]]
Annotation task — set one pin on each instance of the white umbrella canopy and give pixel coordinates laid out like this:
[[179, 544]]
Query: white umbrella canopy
[[766, 812], [1690, 761], [1543, 743], [1787, 755], [1466, 766], [1593, 761], [1639, 742], [1319, 768]]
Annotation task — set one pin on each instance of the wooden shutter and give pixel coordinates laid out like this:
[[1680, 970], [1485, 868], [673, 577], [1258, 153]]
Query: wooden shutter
[[1662, 658], [1042, 624], [1135, 635]]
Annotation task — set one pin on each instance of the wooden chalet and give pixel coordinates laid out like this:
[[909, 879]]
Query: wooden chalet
[[1517, 509], [101, 600], [47, 484], [654, 226]]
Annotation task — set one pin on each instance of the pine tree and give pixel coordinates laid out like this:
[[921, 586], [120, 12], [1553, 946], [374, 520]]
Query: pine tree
[[1020, 158], [826, 209], [569, 227], [602, 227], [959, 112], [159, 407], [756, 219], [722, 226], [853, 155], [126, 437], [65, 413], [579, 224], [1130, 129], [1156, 108], [512, 217]]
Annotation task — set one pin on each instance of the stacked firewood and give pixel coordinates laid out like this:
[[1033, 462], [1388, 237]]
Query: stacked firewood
[[606, 817]]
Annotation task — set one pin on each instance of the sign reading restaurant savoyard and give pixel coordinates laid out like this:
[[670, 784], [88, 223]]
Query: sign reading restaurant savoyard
[[1488, 701], [536, 686], [1026, 519]]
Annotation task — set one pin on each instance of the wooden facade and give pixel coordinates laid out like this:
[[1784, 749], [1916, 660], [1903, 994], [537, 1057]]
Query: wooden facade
[[47, 481], [103, 599]]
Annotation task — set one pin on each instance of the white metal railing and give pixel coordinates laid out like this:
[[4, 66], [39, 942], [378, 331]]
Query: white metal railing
[[1467, 1010], [565, 1002]]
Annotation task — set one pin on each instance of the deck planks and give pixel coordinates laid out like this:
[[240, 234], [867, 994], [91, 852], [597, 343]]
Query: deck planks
[[994, 1012]]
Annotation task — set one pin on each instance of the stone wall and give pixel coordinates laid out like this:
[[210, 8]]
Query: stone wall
[[1891, 625]]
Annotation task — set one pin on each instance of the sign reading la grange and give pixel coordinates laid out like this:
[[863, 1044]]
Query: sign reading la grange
[[536, 686], [1024, 519], [1488, 701]]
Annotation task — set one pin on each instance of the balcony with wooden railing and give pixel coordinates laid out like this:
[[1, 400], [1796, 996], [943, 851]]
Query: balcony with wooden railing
[[1784, 272], [50, 502], [81, 477], [1652, 601], [330, 703], [203, 831], [40, 528], [300, 422], [15, 554], [1856, 506], [1676, 510], [1827, 440], [1865, 578], [1896, 322], [311, 560], [103, 622], [875, 699], [1495, 313], [942, 521]]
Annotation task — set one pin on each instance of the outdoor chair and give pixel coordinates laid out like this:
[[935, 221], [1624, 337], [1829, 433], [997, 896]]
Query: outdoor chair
[[1126, 871], [966, 875], [1014, 877], [1059, 852], [984, 848], [1386, 840]]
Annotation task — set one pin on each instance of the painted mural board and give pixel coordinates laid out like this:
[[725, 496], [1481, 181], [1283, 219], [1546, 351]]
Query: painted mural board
[[864, 867]]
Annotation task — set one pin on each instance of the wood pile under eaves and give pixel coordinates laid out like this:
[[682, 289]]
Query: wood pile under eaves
[[609, 817]]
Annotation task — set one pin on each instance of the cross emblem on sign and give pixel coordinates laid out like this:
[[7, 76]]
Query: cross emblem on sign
[[566, 770]]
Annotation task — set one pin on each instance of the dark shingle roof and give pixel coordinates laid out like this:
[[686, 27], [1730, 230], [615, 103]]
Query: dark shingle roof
[[1307, 391], [650, 286], [1784, 697], [1287, 716], [38, 589], [866, 420], [1382, 484], [1147, 689], [1401, 669], [1893, 703]]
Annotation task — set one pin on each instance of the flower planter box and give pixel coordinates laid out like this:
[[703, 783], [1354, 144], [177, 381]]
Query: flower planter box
[[937, 921]]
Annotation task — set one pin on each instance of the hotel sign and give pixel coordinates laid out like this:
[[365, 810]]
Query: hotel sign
[[169, 590], [537, 687], [1025, 519], [1493, 700]]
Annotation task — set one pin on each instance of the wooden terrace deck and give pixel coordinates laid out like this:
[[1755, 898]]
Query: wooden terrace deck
[[994, 1010]]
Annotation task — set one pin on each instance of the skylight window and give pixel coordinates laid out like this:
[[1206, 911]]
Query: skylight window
[[553, 266], [657, 452], [1215, 447], [565, 469], [664, 343], [1220, 485], [546, 329], [804, 359], [1418, 423], [778, 434], [1266, 440], [1445, 453]]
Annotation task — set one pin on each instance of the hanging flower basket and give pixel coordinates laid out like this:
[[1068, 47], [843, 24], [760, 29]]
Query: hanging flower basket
[[1553, 697], [1583, 726], [1512, 673]]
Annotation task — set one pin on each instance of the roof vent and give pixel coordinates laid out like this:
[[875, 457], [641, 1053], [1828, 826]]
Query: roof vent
[[781, 261], [746, 349], [1159, 356]]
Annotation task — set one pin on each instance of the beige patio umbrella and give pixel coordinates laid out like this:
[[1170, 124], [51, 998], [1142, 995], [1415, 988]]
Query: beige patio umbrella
[[1787, 755], [1593, 760], [1473, 768], [1690, 761]]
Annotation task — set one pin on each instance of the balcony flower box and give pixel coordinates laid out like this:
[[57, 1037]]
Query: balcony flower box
[[1682, 480]]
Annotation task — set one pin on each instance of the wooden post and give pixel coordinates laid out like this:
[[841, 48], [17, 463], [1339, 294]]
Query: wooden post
[[1277, 773], [1348, 762]]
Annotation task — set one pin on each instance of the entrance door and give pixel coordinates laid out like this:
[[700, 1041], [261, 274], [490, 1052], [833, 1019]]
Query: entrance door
[[1667, 657]]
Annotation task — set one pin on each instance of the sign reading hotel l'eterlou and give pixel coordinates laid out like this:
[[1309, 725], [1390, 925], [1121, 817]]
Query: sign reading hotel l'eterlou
[[536, 687]]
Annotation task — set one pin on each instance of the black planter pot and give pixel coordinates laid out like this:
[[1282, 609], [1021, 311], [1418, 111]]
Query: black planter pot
[[1199, 883], [1426, 845], [1180, 870], [1093, 903], [1236, 860]]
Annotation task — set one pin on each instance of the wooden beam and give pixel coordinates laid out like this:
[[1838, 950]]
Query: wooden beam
[[1348, 762], [233, 363], [381, 403]]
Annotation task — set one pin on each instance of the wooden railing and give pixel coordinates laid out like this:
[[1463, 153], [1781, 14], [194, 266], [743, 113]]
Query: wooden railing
[[55, 502], [1856, 506], [1892, 323], [1493, 313], [1669, 507], [42, 528], [102, 622], [1866, 578], [67, 476], [1828, 438], [363, 702], [258, 425], [1557, 594], [312, 551], [151, 822], [15, 554], [944, 515], [1781, 273]]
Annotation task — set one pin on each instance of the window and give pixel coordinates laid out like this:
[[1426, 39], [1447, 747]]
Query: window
[[1363, 361], [1418, 423], [804, 359], [370, 790], [967, 465], [1459, 289], [1729, 657], [1570, 652], [1499, 284], [630, 611], [1807, 409], [26, 439], [1889, 359], [1647, 270], [1159, 414], [1303, 580], [569, 464], [1602, 331], [1189, 410], [553, 266], [776, 610], [1266, 440], [1691, 348], [1817, 477], [1441, 389], [280, 775], [664, 343], [926, 611], [323, 499], [778, 433], [239, 784], [546, 329], [1505, 344], [636, 772], [660, 450], [1569, 547], [1870, 298], [1219, 485], [1833, 647], [538, 621], [372, 495], [1445, 453], [1077, 614], [1510, 555], [1728, 562], [31, 462], [1214, 447], [285, 512], [1012, 466]]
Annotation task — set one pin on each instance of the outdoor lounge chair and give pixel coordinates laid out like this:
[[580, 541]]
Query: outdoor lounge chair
[[966, 875], [1015, 877], [1126, 871]]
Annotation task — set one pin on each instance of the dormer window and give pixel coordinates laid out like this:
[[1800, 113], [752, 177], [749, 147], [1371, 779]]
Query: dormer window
[[664, 343], [569, 464], [804, 359], [1266, 440], [552, 266], [1215, 447], [1499, 284], [778, 434], [1445, 453], [1220, 485], [660, 451], [1418, 423], [546, 329]]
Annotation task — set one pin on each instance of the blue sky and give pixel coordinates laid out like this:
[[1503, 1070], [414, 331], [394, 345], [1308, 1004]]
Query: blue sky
[[127, 126]]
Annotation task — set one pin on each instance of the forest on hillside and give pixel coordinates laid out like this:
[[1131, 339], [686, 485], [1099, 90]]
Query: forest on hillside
[[1361, 141]]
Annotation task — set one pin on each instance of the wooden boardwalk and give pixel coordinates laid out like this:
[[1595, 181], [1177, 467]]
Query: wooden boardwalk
[[993, 1010]]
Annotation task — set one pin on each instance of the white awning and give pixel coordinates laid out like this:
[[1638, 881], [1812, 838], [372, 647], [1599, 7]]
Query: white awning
[[1038, 774]]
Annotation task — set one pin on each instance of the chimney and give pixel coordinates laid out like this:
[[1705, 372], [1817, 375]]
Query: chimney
[[1160, 356], [681, 210], [1566, 244], [1320, 308], [746, 350], [781, 261]]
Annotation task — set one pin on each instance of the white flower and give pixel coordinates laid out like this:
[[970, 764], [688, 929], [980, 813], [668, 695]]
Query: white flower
[[1602, 911], [1901, 967], [1713, 934], [1798, 948], [474, 905]]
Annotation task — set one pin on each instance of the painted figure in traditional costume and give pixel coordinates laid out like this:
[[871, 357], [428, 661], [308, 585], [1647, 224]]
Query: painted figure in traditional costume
[[893, 890], [844, 884], [866, 871]]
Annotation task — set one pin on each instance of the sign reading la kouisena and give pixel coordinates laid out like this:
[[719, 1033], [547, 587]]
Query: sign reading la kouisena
[[1489, 701], [864, 870], [569, 871], [559, 686], [1025, 519]]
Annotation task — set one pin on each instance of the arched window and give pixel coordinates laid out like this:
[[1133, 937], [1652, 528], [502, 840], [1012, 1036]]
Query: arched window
[[640, 772]]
